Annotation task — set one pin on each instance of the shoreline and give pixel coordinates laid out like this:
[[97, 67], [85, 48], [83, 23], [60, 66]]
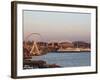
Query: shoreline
[[38, 64]]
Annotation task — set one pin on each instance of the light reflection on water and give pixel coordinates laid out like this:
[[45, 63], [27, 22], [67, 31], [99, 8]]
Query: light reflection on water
[[66, 59]]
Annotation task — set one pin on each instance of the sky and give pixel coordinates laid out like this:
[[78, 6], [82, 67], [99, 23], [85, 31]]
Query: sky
[[57, 26]]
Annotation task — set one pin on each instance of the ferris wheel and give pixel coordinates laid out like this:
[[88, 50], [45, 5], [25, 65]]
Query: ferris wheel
[[33, 37], [34, 49]]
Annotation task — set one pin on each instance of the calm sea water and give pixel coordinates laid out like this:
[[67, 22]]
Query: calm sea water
[[66, 59]]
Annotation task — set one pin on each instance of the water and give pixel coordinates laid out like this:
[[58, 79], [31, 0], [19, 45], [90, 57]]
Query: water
[[66, 59]]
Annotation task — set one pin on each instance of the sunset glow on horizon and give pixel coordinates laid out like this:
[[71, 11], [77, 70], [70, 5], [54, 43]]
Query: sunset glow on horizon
[[57, 26]]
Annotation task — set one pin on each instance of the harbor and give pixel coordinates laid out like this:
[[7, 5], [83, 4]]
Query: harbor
[[41, 48], [58, 60], [55, 55], [56, 39]]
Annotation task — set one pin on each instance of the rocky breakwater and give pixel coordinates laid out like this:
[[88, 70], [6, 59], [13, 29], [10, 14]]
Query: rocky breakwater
[[28, 64]]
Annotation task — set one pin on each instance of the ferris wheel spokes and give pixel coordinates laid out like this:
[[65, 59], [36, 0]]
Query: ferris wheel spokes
[[34, 49]]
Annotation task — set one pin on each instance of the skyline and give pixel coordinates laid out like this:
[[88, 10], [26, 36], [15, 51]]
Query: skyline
[[58, 26]]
